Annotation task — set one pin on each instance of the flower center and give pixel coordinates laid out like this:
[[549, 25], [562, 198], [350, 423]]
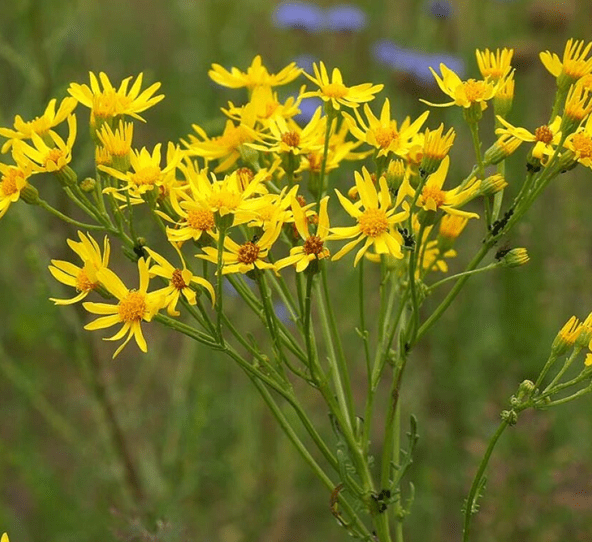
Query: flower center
[[8, 184], [314, 162], [433, 193], [147, 176], [200, 219], [373, 222], [104, 105], [245, 176], [233, 137], [385, 136], [225, 201], [475, 90], [248, 253], [292, 139], [582, 145], [83, 282], [132, 307], [53, 156], [544, 134], [177, 279], [334, 90], [313, 245]]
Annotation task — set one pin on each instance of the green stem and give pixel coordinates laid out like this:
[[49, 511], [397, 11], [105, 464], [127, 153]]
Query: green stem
[[477, 480], [459, 275], [43, 204]]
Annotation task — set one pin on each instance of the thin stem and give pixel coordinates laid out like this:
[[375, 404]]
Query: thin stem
[[43, 204], [477, 479], [459, 275]]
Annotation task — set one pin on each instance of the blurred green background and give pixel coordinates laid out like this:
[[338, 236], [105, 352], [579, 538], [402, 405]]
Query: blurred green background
[[207, 462]]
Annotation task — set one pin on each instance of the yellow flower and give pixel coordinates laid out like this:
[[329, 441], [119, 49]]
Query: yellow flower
[[133, 307], [180, 281], [39, 125], [333, 90], [84, 278], [4, 538], [117, 143], [147, 173], [107, 102], [578, 106], [12, 183], [228, 146], [463, 93], [580, 143], [545, 138], [574, 65], [287, 137], [375, 223], [433, 198], [45, 158], [383, 133], [246, 257], [494, 64], [255, 76], [452, 226], [266, 106], [314, 245], [436, 146]]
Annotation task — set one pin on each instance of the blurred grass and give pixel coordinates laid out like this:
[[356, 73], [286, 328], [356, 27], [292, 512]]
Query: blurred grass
[[208, 463]]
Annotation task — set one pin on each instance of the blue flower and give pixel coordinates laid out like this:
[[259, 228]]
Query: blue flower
[[442, 9], [307, 107], [345, 18], [301, 15], [414, 63]]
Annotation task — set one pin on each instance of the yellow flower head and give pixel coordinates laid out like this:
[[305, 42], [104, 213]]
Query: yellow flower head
[[117, 143], [255, 76], [376, 220], [247, 256], [84, 278], [133, 306], [545, 137], [433, 198], [574, 64], [227, 147], [578, 106], [12, 183], [452, 226], [108, 102], [494, 65], [436, 145], [180, 282], [47, 158], [383, 133], [580, 143], [314, 244], [39, 125], [146, 172], [463, 93], [567, 336], [334, 91]]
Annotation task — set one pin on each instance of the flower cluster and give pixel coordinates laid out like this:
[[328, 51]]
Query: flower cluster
[[256, 199]]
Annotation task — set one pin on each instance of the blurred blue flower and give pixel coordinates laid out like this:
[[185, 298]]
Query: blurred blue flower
[[345, 18], [302, 15], [305, 62], [442, 9], [415, 63], [281, 312], [308, 106]]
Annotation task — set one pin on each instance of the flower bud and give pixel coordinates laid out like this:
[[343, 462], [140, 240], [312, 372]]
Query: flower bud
[[88, 184], [566, 337], [29, 194], [501, 149], [492, 185], [514, 258]]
